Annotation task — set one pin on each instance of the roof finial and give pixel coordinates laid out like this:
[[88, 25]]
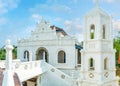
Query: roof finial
[[97, 3], [42, 20]]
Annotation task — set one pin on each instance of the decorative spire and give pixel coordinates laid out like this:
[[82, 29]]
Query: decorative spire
[[42, 20], [97, 3]]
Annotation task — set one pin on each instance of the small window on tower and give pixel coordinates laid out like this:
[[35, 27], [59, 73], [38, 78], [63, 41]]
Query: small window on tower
[[91, 64], [92, 31], [104, 32], [42, 28], [78, 58], [105, 64]]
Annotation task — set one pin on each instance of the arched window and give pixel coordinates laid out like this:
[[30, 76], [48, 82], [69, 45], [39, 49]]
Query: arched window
[[26, 55], [61, 57], [104, 32], [105, 64], [91, 64], [92, 31]]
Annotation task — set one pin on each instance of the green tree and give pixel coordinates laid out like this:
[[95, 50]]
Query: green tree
[[117, 47], [14, 52], [3, 53]]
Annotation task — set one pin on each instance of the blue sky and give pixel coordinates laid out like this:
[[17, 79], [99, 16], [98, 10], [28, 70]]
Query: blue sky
[[19, 17]]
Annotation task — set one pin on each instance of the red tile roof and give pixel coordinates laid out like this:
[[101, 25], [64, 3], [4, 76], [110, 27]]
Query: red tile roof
[[15, 76], [1, 76], [58, 30]]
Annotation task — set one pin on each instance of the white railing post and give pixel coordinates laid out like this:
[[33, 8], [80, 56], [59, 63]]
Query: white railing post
[[8, 74]]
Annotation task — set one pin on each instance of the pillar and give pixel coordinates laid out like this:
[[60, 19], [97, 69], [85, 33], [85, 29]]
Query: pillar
[[30, 59], [8, 73], [44, 56], [38, 81]]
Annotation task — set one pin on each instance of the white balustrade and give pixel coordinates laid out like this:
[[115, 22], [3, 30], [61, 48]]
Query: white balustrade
[[2, 63], [59, 73], [29, 69], [28, 65]]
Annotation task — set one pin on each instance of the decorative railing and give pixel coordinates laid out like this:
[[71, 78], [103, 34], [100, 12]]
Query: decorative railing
[[27, 70], [3, 63], [59, 73], [27, 65]]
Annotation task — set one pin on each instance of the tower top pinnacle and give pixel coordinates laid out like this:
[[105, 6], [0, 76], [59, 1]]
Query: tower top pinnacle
[[8, 42], [97, 3], [42, 20]]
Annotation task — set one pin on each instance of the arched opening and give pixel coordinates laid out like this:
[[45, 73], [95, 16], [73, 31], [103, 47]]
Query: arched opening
[[26, 55], [78, 57], [105, 64], [104, 32], [42, 54], [33, 81], [92, 31], [91, 64], [61, 57]]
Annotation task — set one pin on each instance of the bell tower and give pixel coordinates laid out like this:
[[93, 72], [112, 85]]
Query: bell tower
[[98, 55]]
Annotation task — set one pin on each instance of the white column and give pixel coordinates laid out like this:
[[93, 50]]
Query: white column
[[76, 58], [38, 81], [43, 55], [82, 73], [26, 56], [8, 74], [9, 49], [30, 59]]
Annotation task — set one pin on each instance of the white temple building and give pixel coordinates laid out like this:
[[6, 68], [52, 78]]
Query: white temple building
[[50, 57]]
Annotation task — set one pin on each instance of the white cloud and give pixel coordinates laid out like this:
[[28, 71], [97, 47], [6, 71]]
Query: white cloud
[[57, 19], [75, 1], [73, 26], [116, 26], [6, 5], [29, 29], [51, 8], [51, 1], [36, 17], [13, 38], [79, 37], [108, 1], [25, 33], [3, 21]]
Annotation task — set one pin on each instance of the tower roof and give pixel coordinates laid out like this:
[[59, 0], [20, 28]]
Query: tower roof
[[97, 10]]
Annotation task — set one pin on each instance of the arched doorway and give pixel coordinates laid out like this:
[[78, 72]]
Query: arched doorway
[[42, 54]]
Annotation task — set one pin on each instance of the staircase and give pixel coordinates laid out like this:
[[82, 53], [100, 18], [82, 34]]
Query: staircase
[[27, 70], [56, 77]]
